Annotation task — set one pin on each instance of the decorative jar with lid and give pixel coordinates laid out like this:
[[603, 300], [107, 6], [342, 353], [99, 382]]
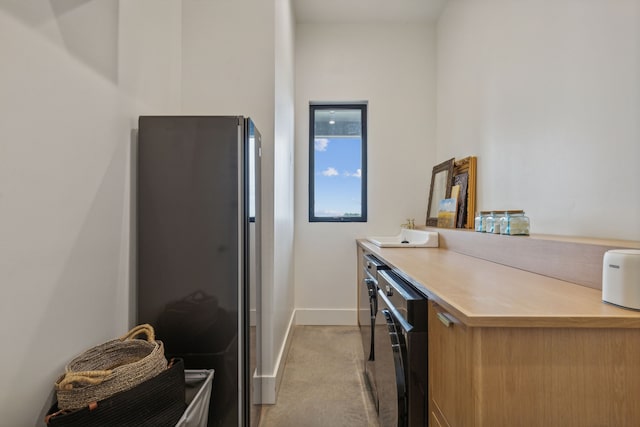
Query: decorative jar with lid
[[481, 225], [478, 221], [492, 223], [514, 223]]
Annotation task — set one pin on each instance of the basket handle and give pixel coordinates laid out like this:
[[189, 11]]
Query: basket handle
[[85, 377], [145, 328]]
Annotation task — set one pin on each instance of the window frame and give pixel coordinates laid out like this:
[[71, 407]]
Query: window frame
[[356, 105]]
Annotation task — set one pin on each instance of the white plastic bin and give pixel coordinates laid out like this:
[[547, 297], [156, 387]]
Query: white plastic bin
[[198, 394]]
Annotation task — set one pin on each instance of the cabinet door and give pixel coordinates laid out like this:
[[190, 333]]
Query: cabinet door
[[364, 317], [449, 369]]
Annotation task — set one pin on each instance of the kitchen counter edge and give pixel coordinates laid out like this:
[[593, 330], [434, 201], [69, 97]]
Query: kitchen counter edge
[[482, 293]]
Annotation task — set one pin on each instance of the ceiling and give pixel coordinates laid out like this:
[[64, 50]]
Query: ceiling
[[367, 11]]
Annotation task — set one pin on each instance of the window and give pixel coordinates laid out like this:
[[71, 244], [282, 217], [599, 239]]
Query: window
[[338, 162]]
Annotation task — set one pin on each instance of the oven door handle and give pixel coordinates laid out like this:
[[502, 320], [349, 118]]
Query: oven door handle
[[401, 384], [371, 286], [373, 301]]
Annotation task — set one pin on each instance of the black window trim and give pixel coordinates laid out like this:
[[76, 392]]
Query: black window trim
[[355, 105]]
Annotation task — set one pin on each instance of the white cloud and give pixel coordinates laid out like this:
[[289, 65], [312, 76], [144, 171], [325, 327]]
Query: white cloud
[[330, 172], [356, 174], [320, 144]]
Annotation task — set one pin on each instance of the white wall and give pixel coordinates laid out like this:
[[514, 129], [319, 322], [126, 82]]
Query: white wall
[[74, 79], [65, 143], [281, 298], [235, 62], [150, 55], [547, 94], [393, 68]]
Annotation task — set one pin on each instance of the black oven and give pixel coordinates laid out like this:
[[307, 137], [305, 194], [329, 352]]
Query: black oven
[[400, 346], [367, 314]]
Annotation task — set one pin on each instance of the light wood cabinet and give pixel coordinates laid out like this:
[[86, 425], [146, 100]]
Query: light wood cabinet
[[436, 420], [509, 347], [362, 299], [493, 377], [449, 369]]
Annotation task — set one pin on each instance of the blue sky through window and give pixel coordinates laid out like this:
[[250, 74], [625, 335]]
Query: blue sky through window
[[338, 176]]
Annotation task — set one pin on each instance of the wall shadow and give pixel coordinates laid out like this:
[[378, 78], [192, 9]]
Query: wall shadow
[[87, 29]]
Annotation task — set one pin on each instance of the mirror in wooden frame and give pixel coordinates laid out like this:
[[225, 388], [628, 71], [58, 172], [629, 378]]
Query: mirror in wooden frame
[[441, 180]]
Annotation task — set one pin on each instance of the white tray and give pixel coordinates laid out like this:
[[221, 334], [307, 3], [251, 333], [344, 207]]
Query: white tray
[[198, 391]]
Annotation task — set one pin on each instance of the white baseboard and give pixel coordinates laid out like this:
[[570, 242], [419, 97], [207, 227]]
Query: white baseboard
[[329, 317], [271, 383]]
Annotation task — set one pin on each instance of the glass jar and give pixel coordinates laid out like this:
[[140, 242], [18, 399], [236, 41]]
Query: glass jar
[[503, 222], [483, 225], [494, 222], [491, 223], [478, 221], [515, 223]]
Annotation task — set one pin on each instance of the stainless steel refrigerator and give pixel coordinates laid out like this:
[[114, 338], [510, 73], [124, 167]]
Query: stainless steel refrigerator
[[198, 251]]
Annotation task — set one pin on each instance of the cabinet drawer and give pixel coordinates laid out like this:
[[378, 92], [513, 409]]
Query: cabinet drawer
[[449, 369]]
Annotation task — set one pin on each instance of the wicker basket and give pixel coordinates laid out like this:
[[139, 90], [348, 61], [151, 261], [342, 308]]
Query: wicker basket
[[110, 368]]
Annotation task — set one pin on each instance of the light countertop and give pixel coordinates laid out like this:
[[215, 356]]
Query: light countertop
[[483, 293]]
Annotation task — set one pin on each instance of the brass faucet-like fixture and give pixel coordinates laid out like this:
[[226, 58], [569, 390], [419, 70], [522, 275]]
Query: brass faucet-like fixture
[[410, 224]]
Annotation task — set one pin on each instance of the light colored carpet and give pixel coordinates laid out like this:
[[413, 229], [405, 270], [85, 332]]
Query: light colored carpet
[[323, 382]]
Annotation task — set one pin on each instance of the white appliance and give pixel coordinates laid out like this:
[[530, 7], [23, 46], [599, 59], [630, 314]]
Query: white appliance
[[621, 278]]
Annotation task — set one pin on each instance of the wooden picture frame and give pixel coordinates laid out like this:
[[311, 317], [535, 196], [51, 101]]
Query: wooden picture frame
[[441, 181], [467, 206], [461, 181]]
